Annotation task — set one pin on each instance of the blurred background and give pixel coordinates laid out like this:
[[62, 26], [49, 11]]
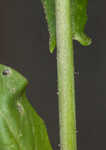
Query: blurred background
[[24, 46]]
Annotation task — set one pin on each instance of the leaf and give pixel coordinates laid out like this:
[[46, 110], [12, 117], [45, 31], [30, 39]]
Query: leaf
[[20, 126], [49, 8], [79, 19]]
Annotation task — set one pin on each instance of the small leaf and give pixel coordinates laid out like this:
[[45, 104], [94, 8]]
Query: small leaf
[[79, 19], [20, 126], [49, 8]]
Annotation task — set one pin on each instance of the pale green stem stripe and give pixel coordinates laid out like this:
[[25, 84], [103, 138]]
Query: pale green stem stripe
[[65, 68]]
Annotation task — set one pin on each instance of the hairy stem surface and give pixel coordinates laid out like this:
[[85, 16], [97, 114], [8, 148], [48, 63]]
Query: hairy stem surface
[[65, 69]]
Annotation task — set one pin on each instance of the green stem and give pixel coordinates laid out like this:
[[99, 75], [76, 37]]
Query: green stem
[[65, 68]]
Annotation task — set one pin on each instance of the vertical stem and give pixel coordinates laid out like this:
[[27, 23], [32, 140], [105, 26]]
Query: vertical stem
[[65, 69]]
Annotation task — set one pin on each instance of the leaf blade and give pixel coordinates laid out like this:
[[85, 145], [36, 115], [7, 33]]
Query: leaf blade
[[79, 19], [21, 128]]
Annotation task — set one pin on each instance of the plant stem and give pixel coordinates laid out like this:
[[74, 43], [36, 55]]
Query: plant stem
[[65, 69]]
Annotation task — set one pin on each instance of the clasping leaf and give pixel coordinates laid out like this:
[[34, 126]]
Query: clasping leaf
[[79, 19]]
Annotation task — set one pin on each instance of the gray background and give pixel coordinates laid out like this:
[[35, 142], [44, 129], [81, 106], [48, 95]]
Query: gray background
[[24, 46]]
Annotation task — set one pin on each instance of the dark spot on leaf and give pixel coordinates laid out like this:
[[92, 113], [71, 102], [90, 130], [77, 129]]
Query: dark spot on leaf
[[6, 72]]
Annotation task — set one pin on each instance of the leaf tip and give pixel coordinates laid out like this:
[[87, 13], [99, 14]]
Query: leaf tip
[[83, 39], [52, 45]]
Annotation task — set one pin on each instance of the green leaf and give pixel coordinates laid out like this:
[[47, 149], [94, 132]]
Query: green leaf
[[79, 19], [20, 126]]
